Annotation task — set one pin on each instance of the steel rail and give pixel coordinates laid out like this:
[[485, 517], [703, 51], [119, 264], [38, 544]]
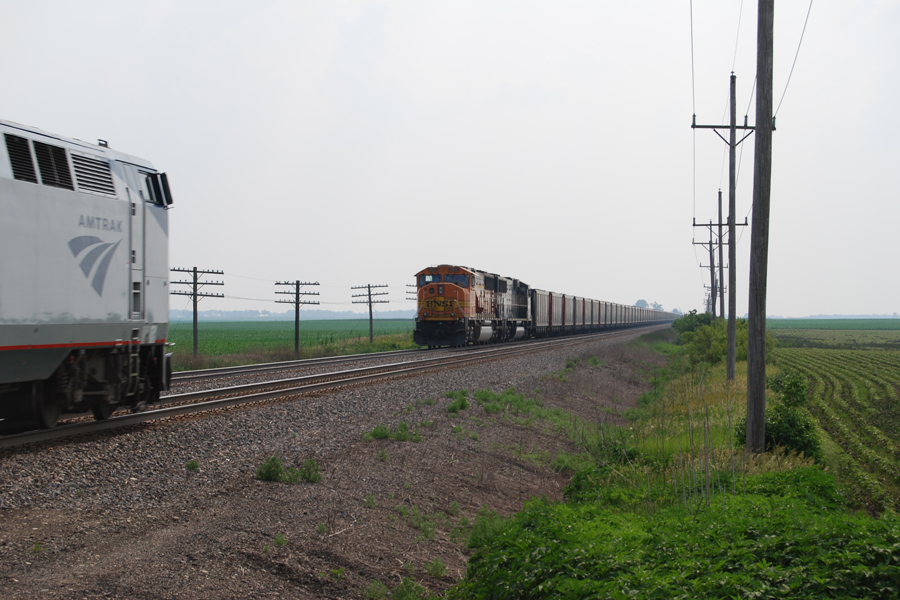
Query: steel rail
[[263, 391], [201, 374]]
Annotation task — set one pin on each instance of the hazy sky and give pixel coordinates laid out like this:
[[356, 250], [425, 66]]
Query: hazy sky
[[358, 142]]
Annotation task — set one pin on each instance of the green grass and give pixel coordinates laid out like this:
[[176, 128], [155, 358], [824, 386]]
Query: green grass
[[664, 508], [246, 342]]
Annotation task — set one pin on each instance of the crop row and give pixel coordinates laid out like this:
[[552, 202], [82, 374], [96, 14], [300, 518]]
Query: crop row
[[839, 417]]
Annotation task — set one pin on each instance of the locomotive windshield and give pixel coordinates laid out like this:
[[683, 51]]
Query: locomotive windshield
[[431, 278], [460, 280]]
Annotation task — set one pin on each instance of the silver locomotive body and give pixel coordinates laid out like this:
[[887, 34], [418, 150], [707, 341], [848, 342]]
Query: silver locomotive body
[[84, 279]]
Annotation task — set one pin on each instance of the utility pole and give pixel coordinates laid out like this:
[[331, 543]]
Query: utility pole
[[759, 234], [732, 246], [719, 287], [711, 305], [721, 263], [369, 287], [297, 302], [195, 293]]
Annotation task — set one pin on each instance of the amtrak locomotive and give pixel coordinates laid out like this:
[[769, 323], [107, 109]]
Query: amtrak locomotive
[[84, 277], [458, 306]]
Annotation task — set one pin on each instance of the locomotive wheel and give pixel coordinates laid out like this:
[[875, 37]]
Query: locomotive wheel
[[103, 410], [45, 407]]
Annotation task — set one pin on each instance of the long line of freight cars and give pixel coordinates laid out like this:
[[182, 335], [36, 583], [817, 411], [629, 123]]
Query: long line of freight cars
[[459, 305]]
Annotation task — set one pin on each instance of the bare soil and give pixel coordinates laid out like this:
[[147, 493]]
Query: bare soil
[[326, 540]]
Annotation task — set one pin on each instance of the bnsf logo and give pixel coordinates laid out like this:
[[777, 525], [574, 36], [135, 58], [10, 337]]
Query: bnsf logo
[[439, 304]]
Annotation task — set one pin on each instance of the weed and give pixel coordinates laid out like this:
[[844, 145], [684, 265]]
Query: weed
[[426, 424], [473, 435], [322, 528], [337, 574], [403, 511], [270, 470], [273, 470], [37, 547], [454, 508], [382, 455], [310, 472], [409, 568], [407, 485], [192, 465], [369, 501], [280, 540], [410, 590], [266, 549], [402, 434], [460, 401], [376, 591], [461, 531], [380, 432], [430, 402], [436, 568]]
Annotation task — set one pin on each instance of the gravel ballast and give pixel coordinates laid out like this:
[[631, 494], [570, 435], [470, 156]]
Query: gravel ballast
[[120, 515]]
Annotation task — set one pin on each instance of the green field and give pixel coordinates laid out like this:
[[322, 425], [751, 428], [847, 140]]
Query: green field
[[838, 334], [855, 324], [245, 342]]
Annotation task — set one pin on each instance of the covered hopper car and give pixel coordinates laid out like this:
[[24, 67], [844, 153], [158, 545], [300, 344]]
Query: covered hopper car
[[459, 306], [84, 277]]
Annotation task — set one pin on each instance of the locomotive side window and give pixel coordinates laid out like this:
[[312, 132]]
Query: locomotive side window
[[431, 278], [460, 280], [20, 158], [54, 165]]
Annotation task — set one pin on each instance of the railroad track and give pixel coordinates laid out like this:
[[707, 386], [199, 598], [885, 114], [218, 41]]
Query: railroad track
[[177, 405], [203, 374]]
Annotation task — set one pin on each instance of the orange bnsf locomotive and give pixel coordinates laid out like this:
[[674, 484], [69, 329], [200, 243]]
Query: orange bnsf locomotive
[[459, 306]]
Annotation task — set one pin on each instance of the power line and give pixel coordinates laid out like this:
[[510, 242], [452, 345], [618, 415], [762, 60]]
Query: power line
[[738, 36], [795, 59]]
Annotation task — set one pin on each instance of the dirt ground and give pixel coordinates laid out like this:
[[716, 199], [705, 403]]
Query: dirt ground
[[384, 510]]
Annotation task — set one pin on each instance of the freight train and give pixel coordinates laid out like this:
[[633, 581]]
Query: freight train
[[84, 277], [459, 306]]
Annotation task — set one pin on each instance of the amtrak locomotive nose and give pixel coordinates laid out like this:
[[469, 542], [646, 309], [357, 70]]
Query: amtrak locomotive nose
[[84, 235]]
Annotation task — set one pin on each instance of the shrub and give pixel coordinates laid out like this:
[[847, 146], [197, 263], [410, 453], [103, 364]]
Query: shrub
[[270, 470], [709, 343], [192, 465], [787, 426], [691, 322], [791, 386]]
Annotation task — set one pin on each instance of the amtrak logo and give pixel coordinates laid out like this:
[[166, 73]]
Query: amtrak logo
[[96, 252]]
